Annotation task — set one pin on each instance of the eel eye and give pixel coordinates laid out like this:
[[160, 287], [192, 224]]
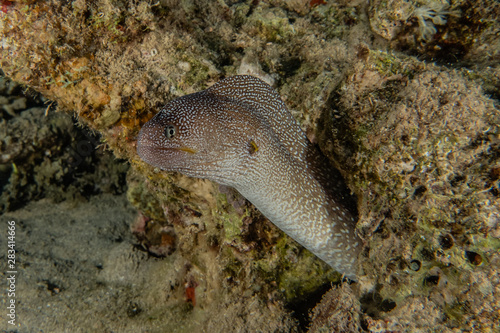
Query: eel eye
[[170, 131]]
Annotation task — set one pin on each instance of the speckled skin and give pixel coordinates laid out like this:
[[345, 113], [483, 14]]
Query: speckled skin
[[239, 133]]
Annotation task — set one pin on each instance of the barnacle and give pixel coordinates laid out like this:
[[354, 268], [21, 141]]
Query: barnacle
[[430, 15]]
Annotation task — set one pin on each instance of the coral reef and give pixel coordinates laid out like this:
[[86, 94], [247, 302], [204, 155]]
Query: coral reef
[[43, 154], [448, 32], [338, 311], [418, 142], [428, 17]]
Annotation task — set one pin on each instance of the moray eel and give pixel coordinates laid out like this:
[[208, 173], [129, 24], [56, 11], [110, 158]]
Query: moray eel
[[239, 133]]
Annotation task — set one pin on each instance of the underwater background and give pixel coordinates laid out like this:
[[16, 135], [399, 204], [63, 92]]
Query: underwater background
[[401, 96]]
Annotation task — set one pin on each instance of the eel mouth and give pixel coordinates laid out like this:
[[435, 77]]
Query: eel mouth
[[187, 150]]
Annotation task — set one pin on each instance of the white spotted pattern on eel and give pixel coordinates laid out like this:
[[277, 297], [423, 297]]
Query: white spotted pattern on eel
[[239, 133]]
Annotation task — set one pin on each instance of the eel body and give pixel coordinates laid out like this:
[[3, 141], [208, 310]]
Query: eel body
[[239, 133]]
